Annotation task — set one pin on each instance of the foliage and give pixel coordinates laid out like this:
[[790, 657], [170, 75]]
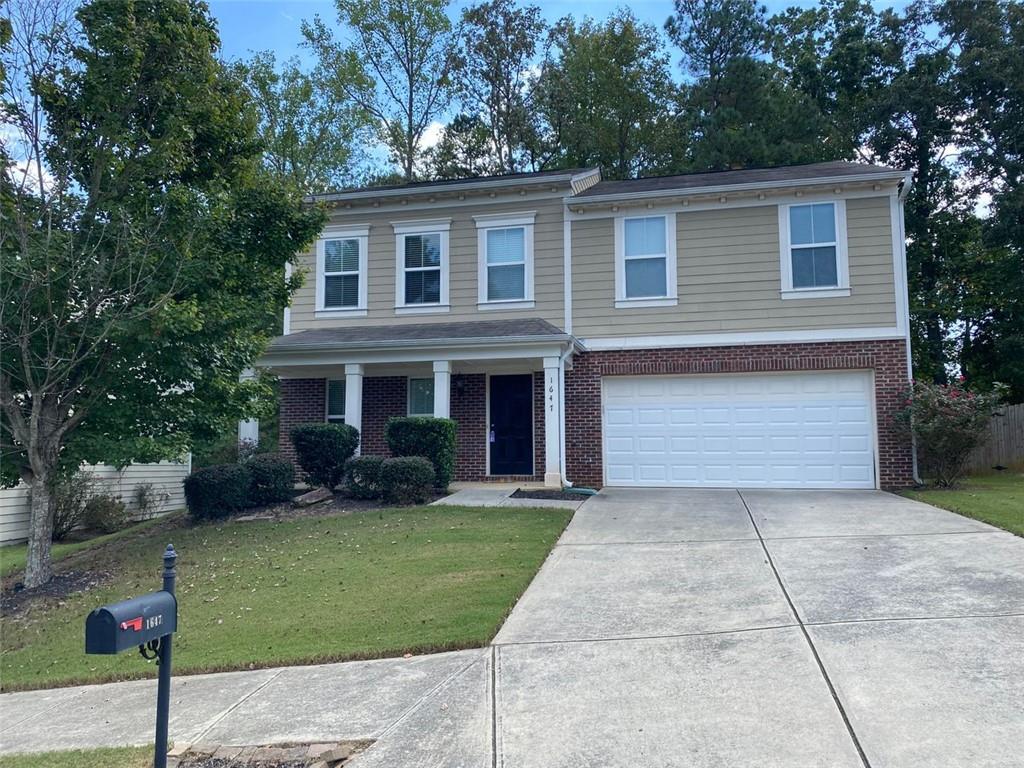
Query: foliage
[[947, 423], [323, 450], [464, 151], [105, 513], [497, 48], [156, 279], [273, 479], [218, 491], [70, 495], [146, 500], [425, 436], [406, 479], [312, 132], [397, 67], [362, 477]]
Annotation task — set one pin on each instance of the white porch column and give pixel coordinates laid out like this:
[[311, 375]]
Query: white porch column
[[442, 389], [552, 423], [354, 398], [248, 429]]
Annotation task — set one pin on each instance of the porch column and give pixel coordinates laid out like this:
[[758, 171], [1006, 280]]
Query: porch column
[[442, 389], [248, 429], [354, 398], [552, 423]]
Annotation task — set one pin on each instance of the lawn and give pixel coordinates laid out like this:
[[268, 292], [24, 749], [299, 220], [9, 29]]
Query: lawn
[[997, 499], [122, 757], [307, 590]]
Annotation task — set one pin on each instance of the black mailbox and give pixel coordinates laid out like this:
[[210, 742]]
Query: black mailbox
[[130, 623]]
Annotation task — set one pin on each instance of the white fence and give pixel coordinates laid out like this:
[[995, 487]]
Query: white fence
[[166, 478], [1005, 444]]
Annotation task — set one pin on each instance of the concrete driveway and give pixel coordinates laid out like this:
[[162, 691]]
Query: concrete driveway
[[762, 629], [766, 628]]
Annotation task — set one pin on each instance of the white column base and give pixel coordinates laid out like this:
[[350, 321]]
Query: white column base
[[354, 399], [442, 389], [552, 479]]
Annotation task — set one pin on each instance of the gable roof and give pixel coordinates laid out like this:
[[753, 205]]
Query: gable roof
[[714, 180]]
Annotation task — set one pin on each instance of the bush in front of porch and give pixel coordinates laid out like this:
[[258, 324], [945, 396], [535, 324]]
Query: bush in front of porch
[[323, 450], [426, 436]]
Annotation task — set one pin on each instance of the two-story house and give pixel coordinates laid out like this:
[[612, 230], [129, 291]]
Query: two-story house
[[735, 329]]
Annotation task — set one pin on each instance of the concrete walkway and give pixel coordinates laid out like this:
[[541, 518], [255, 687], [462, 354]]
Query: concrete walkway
[[667, 628]]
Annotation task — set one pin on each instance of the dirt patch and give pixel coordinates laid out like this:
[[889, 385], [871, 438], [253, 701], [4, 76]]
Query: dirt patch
[[64, 584], [546, 493], [334, 755]]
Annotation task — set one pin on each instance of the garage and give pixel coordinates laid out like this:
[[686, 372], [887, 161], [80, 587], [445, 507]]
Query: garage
[[786, 430]]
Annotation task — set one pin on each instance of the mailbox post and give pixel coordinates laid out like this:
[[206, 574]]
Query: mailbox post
[[148, 622]]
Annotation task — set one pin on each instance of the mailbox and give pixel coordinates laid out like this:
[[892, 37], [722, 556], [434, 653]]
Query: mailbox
[[130, 623]]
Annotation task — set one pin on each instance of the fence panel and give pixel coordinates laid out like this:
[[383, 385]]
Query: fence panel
[[1005, 444]]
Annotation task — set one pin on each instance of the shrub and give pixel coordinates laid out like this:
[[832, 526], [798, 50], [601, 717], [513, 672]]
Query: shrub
[[217, 491], [406, 479], [147, 500], [105, 513], [362, 477], [323, 450], [425, 436], [947, 423], [69, 494], [272, 479]]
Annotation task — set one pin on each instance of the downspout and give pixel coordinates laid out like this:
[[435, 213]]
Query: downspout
[[567, 306], [561, 408], [904, 191]]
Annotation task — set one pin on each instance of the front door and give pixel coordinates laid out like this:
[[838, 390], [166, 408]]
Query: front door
[[511, 428]]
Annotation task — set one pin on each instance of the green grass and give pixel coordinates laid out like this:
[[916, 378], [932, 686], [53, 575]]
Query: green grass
[[269, 593], [997, 499], [122, 757], [12, 556]]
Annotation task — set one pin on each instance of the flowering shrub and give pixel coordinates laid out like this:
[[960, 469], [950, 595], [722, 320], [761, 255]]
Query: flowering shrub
[[947, 422]]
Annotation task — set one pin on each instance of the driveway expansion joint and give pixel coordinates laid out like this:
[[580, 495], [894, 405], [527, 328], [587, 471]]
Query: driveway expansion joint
[[217, 718], [634, 638], [807, 637]]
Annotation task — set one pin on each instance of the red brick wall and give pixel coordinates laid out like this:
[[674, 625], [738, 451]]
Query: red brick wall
[[583, 390], [383, 397], [469, 410], [538, 425], [302, 401]]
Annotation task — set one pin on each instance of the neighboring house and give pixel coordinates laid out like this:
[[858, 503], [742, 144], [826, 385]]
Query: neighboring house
[[164, 477], [737, 329]]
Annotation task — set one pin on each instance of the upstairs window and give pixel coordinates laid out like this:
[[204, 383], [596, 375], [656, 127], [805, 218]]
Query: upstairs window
[[505, 245], [421, 397], [336, 401], [422, 266], [814, 250], [646, 260], [341, 271]]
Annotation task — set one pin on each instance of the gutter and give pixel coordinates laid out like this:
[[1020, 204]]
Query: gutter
[[421, 343], [743, 187]]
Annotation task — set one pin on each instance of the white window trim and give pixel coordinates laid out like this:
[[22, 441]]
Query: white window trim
[[440, 227], [524, 220], [671, 298], [327, 403], [361, 234], [842, 256], [408, 394]]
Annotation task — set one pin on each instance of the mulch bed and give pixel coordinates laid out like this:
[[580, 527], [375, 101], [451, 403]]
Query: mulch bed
[[545, 493], [15, 598]]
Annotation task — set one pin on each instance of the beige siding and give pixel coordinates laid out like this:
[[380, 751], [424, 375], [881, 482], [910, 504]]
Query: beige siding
[[165, 476], [729, 277], [548, 268]]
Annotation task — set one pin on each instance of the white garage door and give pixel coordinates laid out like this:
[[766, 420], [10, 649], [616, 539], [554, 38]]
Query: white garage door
[[800, 430]]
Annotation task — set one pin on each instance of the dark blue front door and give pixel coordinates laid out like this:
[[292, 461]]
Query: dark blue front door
[[511, 428]]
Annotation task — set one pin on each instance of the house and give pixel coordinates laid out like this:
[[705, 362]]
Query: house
[[741, 328]]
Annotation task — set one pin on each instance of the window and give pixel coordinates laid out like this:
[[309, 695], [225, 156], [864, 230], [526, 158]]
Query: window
[[341, 271], [421, 397], [646, 261], [336, 401], [505, 243], [422, 264], [814, 250]]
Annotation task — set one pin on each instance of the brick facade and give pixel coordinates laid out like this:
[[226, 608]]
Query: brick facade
[[304, 401], [887, 358]]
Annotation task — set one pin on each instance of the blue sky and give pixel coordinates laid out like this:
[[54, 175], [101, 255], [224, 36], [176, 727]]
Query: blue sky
[[256, 25]]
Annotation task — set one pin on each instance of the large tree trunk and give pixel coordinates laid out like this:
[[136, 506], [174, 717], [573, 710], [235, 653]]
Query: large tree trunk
[[39, 564]]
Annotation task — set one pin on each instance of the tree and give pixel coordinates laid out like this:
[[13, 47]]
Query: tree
[[397, 67], [603, 97], [143, 271], [311, 131], [465, 150], [498, 45]]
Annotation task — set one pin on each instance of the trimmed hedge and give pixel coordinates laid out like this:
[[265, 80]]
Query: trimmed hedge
[[406, 479], [426, 436], [273, 479], [362, 477], [323, 450], [216, 492]]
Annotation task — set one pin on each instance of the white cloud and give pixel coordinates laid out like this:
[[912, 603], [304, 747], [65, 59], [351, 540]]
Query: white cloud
[[431, 135]]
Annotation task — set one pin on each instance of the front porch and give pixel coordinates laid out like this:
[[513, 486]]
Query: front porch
[[504, 391]]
